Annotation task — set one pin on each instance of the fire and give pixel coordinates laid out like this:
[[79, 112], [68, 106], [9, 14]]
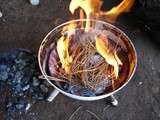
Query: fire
[[62, 49], [110, 56], [69, 29], [92, 8], [124, 6]]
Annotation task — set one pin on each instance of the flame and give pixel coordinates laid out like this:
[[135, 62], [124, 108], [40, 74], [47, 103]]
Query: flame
[[69, 29], [111, 58], [124, 6], [92, 8], [62, 49], [88, 6]]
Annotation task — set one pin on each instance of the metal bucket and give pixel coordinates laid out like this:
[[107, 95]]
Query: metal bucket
[[50, 40]]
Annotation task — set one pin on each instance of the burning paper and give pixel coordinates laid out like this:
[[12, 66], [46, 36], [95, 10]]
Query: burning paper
[[110, 56], [62, 49]]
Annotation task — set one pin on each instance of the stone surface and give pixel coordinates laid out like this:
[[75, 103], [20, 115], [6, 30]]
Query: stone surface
[[25, 26]]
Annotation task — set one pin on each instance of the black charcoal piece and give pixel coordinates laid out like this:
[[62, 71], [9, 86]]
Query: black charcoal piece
[[18, 88], [20, 106], [26, 87], [44, 88], [38, 96], [35, 82], [18, 76], [20, 70], [3, 72], [9, 104]]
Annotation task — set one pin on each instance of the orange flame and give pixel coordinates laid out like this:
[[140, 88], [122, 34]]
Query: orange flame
[[88, 6], [69, 29], [110, 57], [92, 9], [124, 6], [63, 47]]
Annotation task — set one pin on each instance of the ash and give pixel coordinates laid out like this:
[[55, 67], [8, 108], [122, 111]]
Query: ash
[[19, 75]]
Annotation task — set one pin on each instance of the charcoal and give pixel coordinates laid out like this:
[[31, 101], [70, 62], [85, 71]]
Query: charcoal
[[35, 81], [9, 104], [17, 106], [38, 96], [44, 88], [18, 76], [26, 87], [46, 83], [19, 71], [17, 88], [20, 106], [3, 72]]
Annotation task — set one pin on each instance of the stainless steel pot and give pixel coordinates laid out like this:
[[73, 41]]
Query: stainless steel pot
[[49, 41]]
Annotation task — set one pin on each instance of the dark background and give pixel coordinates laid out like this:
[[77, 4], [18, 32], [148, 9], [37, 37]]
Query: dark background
[[24, 26]]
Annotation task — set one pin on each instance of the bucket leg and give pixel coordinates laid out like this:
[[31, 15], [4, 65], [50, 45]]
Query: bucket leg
[[52, 95], [113, 101]]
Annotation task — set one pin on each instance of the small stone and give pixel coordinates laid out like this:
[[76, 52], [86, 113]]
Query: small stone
[[18, 76], [46, 83], [9, 104], [155, 89], [34, 2], [44, 88], [140, 83], [26, 87], [36, 82], [20, 106], [21, 94], [3, 76], [18, 88], [3, 72], [28, 106], [1, 14], [4, 20], [38, 96]]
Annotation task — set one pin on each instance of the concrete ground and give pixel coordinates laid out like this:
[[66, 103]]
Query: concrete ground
[[24, 26]]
